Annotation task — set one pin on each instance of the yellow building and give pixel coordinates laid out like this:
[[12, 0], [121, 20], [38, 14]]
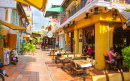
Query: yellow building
[[93, 23]]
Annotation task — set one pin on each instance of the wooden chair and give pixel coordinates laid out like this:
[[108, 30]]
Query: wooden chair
[[76, 58], [88, 59], [57, 58], [77, 70], [126, 76], [115, 77], [107, 62], [99, 78]]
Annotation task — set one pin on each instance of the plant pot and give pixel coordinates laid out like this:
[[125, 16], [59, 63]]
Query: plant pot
[[129, 69]]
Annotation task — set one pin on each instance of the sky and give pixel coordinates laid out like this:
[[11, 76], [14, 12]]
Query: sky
[[38, 19]]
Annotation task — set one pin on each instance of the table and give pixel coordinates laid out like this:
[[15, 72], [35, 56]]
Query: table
[[119, 60], [83, 64], [53, 52]]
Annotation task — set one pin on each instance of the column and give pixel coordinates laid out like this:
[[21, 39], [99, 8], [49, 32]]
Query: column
[[67, 42], [101, 43], [81, 40], [76, 40]]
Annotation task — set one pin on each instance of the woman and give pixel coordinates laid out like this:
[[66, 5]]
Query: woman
[[89, 51], [85, 50], [112, 54]]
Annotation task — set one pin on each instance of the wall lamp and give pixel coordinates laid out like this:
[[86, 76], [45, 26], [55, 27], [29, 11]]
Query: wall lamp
[[86, 16]]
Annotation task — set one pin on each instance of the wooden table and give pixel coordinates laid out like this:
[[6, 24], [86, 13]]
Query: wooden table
[[83, 64]]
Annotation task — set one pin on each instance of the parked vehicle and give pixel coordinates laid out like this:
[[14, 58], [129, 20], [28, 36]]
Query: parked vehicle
[[2, 72], [14, 57]]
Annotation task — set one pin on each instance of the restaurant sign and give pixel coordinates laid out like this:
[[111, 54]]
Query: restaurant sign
[[8, 3]]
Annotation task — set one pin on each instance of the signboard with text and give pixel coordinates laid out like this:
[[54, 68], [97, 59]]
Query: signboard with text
[[8, 3]]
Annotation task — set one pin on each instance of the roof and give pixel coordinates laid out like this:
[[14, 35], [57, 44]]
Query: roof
[[64, 2], [48, 27], [36, 35]]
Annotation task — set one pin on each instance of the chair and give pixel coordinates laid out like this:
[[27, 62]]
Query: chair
[[57, 58], [108, 62], [126, 76], [99, 78], [88, 59], [76, 58], [77, 70], [115, 77]]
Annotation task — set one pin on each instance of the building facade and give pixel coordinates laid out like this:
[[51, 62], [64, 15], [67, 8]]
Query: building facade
[[94, 23]]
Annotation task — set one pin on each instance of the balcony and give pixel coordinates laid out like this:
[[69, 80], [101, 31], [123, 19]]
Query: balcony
[[89, 5], [79, 6], [64, 19]]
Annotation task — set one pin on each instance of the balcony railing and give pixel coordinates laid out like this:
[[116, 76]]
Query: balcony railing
[[64, 19], [82, 4], [78, 7]]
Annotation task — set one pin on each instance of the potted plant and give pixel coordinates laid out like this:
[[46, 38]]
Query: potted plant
[[126, 55]]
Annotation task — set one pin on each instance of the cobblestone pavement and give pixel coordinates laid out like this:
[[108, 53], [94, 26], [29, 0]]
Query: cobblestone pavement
[[39, 67]]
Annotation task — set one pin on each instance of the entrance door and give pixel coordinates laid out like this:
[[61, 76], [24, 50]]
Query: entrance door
[[72, 42]]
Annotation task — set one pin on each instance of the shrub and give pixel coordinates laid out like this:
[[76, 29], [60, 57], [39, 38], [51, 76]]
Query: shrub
[[126, 55]]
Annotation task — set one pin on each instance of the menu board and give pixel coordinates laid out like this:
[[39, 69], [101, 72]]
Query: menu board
[[8, 3]]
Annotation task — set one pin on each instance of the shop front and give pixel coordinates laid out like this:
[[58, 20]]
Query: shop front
[[97, 32], [48, 42]]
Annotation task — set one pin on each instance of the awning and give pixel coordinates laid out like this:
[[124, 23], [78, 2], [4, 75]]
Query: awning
[[39, 4], [27, 36], [11, 26], [48, 27], [29, 19], [53, 12], [44, 36], [57, 9]]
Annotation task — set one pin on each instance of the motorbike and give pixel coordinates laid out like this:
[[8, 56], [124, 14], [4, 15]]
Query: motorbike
[[14, 57], [2, 72]]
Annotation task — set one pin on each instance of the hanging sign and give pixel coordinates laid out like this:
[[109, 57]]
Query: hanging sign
[[54, 24], [8, 3]]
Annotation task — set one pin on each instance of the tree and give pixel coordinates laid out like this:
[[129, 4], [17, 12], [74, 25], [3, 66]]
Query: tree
[[42, 27]]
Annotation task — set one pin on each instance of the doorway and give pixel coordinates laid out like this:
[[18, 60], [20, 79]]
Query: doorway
[[72, 42]]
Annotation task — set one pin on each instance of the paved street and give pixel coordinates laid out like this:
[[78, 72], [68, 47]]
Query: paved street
[[39, 67]]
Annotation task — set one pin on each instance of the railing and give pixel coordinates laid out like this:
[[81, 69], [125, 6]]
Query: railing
[[64, 19], [78, 7], [82, 4], [118, 1]]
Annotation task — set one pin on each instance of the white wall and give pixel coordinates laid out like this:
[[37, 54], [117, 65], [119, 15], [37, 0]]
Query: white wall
[[62, 41]]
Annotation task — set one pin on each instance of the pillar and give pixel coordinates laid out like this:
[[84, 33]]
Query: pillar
[[66, 38], [80, 42], [101, 43], [67, 42], [76, 40]]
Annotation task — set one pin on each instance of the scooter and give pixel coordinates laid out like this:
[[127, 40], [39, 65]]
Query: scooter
[[14, 57], [2, 72]]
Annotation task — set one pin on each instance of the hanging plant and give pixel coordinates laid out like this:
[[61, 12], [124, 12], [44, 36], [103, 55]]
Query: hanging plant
[[1, 36]]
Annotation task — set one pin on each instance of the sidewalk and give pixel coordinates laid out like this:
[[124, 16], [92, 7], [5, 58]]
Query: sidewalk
[[39, 67]]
